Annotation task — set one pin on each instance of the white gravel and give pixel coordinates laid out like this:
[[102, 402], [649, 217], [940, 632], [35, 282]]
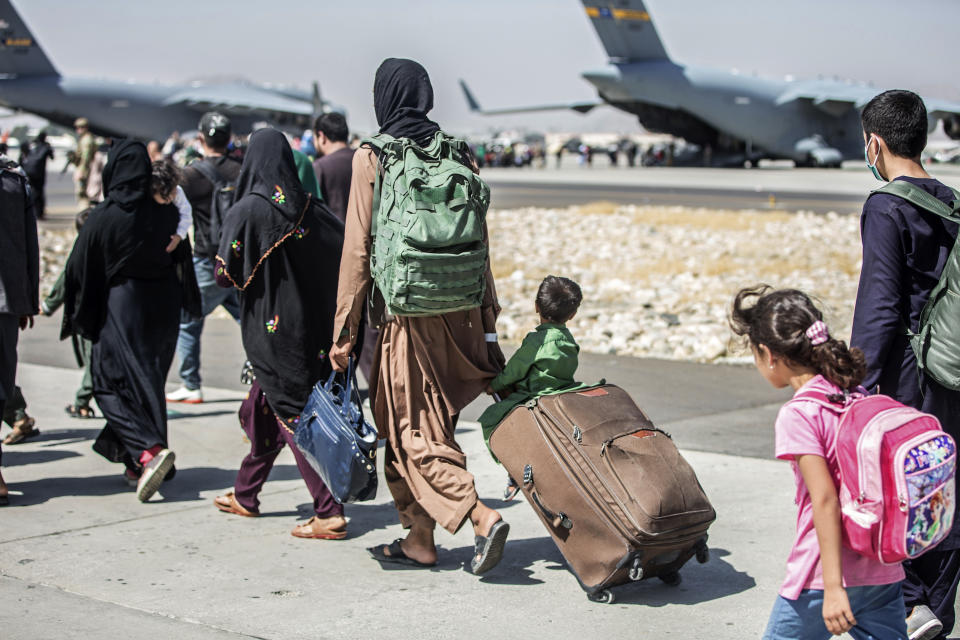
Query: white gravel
[[658, 281]]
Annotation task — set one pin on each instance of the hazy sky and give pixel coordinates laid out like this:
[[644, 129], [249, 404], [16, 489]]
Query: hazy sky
[[512, 52]]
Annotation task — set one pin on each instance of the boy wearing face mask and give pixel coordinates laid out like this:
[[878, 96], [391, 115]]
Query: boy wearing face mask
[[905, 249]]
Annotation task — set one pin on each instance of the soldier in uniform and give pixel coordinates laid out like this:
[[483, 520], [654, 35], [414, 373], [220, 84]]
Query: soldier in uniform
[[86, 151]]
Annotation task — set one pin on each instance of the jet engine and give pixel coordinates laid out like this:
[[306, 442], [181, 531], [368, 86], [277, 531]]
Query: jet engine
[[951, 126]]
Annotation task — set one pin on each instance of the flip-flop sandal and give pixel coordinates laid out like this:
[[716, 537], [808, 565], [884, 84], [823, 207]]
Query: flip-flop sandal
[[510, 492], [84, 413], [489, 550], [228, 504], [306, 530], [397, 556]]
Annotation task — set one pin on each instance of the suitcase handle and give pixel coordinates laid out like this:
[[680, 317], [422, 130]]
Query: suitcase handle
[[558, 519]]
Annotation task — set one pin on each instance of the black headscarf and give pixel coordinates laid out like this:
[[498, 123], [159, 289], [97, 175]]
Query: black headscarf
[[402, 97], [125, 234], [126, 176], [281, 248], [268, 182]]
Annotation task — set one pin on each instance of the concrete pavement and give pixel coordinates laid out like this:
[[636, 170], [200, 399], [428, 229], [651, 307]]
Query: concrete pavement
[[80, 557]]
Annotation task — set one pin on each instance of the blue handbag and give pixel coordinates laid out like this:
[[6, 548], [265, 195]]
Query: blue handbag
[[335, 439]]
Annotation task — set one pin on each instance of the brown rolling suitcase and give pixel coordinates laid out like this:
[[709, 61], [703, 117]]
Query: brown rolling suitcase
[[613, 490]]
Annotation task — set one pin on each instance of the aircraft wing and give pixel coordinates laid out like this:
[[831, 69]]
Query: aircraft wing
[[836, 99], [580, 107], [833, 98], [239, 98]]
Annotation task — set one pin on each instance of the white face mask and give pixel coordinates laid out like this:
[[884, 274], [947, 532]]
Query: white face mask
[[873, 166]]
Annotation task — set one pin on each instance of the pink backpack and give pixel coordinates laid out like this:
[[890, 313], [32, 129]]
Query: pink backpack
[[897, 469]]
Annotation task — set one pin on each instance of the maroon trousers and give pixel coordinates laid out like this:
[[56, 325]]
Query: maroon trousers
[[267, 438]]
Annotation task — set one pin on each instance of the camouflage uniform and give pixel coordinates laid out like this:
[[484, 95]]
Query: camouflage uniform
[[86, 150]]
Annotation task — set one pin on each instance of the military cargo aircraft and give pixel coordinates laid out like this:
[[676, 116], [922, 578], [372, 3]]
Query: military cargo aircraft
[[813, 122], [29, 82]]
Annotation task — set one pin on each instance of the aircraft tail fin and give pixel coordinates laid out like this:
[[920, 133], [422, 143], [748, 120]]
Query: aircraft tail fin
[[20, 53], [626, 30]]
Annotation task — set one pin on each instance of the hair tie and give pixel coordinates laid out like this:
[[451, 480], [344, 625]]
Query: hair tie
[[818, 333]]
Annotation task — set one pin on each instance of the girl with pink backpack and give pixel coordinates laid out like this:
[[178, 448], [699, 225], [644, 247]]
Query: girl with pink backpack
[[829, 588]]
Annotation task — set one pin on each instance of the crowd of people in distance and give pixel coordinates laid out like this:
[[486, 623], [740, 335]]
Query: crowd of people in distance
[[284, 243]]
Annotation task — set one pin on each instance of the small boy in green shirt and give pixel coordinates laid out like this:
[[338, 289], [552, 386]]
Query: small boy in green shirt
[[545, 362]]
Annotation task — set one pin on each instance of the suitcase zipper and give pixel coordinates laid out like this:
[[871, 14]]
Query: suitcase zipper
[[601, 507]]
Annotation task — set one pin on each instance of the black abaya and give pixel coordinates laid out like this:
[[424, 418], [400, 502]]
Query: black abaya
[[130, 363], [122, 291]]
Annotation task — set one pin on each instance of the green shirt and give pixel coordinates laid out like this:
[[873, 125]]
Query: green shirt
[[308, 179], [545, 363]]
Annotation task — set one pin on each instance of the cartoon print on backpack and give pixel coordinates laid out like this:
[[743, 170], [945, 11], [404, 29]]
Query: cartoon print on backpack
[[929, 454], [931, 520]]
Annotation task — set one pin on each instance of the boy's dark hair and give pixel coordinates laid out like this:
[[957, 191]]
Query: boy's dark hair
[[900, 118], [332, 125], [164, 177], [780, 318], [558, 298]]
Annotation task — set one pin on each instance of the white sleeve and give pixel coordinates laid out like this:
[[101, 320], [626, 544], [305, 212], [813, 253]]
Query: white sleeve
[[186, 213]]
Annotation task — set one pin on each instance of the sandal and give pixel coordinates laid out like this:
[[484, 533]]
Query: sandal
[[393, 553], [318, 528], [228, 504], [22, 430], [489, 548], [512, 490], [79, 411]]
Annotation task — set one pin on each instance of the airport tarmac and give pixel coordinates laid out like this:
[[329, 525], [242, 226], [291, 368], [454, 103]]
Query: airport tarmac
[[773, 188]]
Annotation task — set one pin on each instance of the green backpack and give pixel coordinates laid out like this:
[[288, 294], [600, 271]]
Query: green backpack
[[429, 255], [937, 340]]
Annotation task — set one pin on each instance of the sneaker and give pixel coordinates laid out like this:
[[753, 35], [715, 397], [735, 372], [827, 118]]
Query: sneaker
[[23, 429], [922, 624], [153, 474], [189, 396]]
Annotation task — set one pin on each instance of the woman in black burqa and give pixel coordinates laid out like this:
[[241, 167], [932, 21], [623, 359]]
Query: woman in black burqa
[[281, 248], [123, 292]]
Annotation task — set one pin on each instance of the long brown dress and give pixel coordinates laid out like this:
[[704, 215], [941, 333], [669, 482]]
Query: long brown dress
[[426, 370]]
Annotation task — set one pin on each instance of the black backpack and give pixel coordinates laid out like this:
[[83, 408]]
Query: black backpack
[[222, 198]]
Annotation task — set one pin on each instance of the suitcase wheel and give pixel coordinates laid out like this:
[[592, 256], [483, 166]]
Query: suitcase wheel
[[703, 554], [606, 597], [673, 578]]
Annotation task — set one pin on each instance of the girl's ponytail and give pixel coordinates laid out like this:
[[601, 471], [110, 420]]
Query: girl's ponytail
[[839, 364]]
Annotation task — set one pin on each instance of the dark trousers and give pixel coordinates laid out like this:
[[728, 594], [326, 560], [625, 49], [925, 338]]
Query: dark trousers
[[16, 407], [9, 334], [267, 439], [932, 580]]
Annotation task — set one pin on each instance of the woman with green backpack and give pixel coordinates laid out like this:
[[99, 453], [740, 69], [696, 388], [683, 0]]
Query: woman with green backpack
[[416, 246]]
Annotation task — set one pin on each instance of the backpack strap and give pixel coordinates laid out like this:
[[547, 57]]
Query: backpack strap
[[208, 171], [951, 212], [920, 198], [821, 399]]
